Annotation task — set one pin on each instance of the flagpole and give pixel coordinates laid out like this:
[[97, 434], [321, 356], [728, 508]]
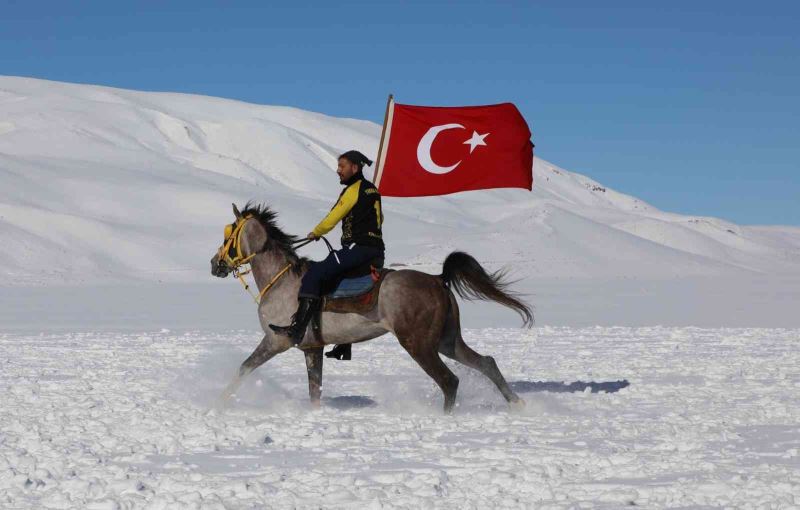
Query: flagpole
[[381, 156]]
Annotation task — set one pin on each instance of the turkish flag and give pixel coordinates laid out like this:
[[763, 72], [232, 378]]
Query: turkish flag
[[431, 150]]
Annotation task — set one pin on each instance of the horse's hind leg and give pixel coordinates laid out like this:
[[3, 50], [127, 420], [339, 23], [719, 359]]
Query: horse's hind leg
[[417, 317], [485, 365], [433, 365], [453, 346]]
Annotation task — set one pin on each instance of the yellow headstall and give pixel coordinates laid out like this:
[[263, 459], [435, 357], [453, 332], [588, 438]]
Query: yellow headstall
[[233, 243], [233, 240]]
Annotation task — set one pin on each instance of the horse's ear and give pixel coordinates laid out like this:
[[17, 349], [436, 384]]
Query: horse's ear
[[236, 212]]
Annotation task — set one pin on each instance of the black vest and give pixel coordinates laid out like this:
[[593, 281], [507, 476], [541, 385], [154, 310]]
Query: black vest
[[362, 225]]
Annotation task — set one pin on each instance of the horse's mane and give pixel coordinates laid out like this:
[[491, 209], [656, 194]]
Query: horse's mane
[[277, 239]]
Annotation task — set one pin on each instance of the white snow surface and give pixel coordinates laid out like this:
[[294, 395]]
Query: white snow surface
[[124, 420]]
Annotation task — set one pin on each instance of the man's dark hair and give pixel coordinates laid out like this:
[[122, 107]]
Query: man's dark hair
[[356, 158]]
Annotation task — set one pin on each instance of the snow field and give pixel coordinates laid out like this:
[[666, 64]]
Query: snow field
[[123, 420]]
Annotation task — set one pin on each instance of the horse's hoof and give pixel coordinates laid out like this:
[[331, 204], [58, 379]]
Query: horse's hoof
[[517, 405], [222, 402]]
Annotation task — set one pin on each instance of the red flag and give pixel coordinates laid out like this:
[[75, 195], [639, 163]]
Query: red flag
[[429, 150]]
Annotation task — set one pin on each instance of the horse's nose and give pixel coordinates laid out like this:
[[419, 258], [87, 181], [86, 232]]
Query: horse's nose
[[219, 268]]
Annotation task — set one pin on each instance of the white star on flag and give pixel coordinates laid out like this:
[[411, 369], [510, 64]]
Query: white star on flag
[[476, 140]]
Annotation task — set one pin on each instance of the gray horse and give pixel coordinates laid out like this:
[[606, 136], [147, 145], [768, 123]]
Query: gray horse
[[418, 308]]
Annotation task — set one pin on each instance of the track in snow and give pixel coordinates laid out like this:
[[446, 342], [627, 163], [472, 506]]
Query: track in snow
[[121, 420]]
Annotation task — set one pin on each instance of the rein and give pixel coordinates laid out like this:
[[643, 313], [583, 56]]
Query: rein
[[260, 296], [303, 242]]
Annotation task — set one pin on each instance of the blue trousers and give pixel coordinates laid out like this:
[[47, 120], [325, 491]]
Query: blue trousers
[[336, 263]]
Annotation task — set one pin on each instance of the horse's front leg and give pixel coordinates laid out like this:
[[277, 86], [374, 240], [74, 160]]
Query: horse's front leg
[[314, 367], [267, 349]]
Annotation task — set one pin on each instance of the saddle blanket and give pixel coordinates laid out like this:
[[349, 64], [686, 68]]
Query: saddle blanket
[[356, 295], [350, 287]]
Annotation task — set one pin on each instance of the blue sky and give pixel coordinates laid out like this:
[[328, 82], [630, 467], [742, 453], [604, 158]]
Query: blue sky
[[692, 106]]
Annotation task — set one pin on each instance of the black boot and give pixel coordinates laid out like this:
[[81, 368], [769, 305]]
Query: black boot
[[340, 352], [306, 309]]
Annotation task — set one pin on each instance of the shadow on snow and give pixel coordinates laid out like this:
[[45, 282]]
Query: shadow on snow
[[573, 387], [346, 402]]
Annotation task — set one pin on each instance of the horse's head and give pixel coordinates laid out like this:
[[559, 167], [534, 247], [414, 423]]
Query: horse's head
[[236, 249]]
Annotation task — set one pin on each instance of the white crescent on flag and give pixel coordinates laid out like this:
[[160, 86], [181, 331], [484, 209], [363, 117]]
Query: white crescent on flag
[[424, 150]]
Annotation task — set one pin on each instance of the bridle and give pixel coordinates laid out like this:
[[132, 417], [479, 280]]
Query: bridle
[[231, 254], [233, 234]]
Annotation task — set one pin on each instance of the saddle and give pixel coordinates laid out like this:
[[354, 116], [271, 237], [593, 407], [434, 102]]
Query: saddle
[[357, 290]]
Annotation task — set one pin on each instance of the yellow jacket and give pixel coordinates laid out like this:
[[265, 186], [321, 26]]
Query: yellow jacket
[[359, 210]]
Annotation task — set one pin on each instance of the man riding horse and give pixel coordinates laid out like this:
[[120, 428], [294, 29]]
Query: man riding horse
[[359, 210]]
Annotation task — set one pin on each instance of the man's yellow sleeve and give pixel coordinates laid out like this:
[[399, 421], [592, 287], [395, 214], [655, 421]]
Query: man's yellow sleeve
[[342, 207]]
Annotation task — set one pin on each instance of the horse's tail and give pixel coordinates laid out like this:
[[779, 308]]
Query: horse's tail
[[470, 280]]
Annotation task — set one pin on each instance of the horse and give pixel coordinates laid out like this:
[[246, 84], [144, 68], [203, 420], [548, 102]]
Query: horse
[[419, 309]]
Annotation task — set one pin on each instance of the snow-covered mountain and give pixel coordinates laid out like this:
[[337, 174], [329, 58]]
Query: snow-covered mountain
[[100, 184]]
